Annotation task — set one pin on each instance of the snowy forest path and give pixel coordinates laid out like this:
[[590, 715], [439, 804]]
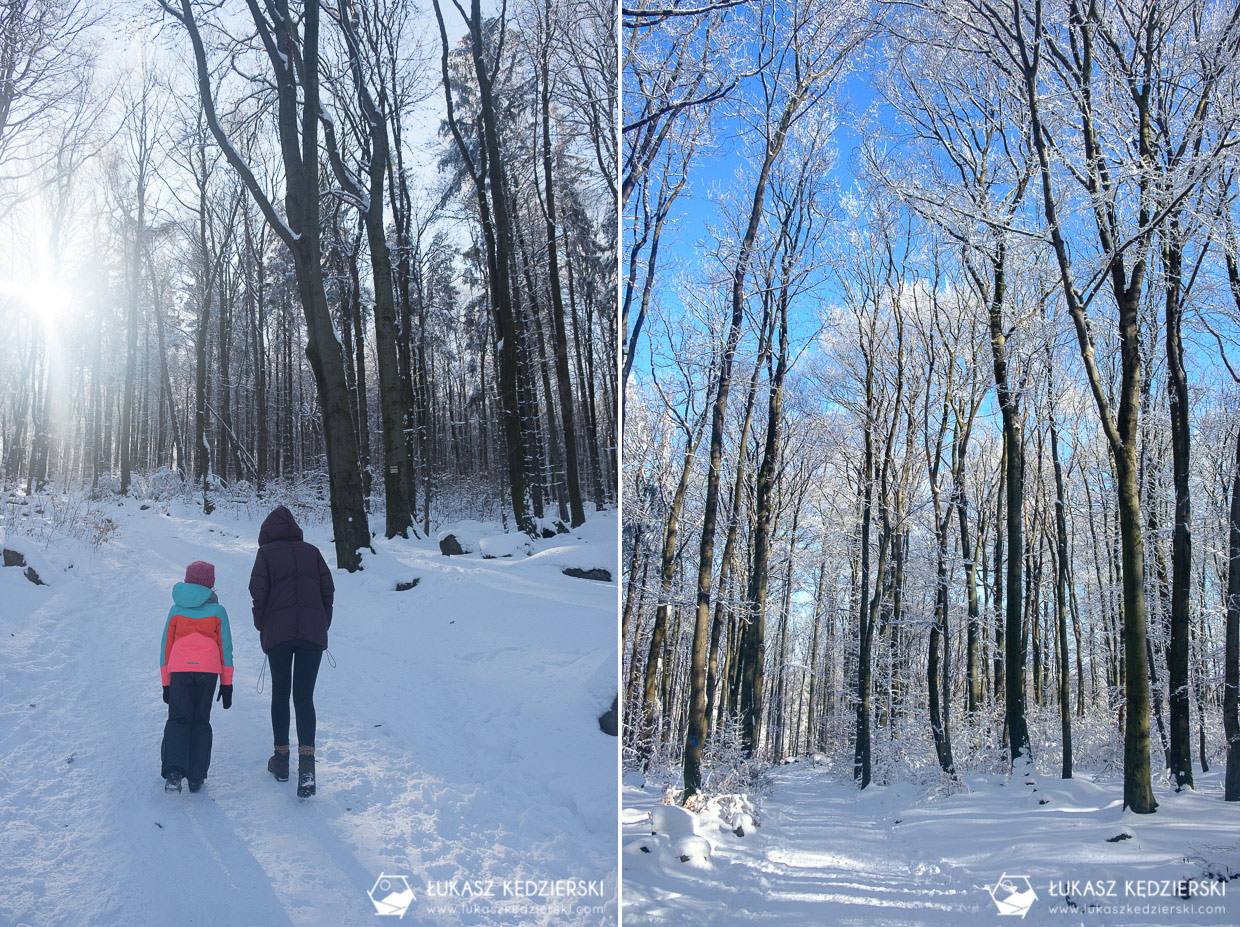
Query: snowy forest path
[[833, 857], [903, 854], [456, 739]]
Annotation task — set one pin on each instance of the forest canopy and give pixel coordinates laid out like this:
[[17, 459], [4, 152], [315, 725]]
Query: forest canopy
[[931, 348]]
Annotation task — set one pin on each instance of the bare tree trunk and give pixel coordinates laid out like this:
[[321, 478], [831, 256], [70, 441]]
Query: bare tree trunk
[[1014, 503], [1122, 429], [938, 682], [1231, 657], [143, 146], [728, 558], [1000, 619], [812, 740], [974, 671], [489, 178], [1061, 604], [1181, 545], [292, 48], [563, 381], [397, 469], [667, 570]]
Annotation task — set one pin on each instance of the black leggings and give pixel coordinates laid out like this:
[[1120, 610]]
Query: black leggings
[[298, 676]]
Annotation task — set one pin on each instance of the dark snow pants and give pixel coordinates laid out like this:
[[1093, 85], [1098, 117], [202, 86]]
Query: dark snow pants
[[294, 667], [187, 734]]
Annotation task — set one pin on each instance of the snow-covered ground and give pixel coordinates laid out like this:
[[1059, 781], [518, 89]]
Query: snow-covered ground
[[457, 739], [826, 853]]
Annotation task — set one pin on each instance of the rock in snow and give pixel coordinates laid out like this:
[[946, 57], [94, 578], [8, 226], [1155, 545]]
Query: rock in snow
[[603, 576], [449, 546], [23, 554], [692, 849], [608, 721]]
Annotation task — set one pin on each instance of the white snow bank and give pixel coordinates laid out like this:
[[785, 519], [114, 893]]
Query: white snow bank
[[692, 849], [828, 853], [674, 821], [33, 554], [602, 686], [457, 737], [467, 531], [494, 546]]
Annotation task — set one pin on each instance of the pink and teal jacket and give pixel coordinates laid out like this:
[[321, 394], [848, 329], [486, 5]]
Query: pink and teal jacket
[[197, 638]]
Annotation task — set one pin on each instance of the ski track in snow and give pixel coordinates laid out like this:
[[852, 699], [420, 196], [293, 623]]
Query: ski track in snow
[[829, 854], [457, 738]]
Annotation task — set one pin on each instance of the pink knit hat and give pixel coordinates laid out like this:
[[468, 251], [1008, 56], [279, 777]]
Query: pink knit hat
[[201, 573]]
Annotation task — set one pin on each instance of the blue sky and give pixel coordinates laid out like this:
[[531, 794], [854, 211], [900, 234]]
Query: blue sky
[[689, 245], [686, 251]]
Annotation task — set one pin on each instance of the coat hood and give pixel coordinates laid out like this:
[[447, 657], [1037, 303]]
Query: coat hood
[[279, 526], [191, 595]]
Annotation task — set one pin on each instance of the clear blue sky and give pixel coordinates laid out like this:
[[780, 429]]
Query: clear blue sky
[[687, 247]]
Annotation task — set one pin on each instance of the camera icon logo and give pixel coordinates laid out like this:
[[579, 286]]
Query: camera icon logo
[[391, 895]]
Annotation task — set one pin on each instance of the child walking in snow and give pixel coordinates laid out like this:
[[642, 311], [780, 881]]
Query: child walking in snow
[[196, 649]]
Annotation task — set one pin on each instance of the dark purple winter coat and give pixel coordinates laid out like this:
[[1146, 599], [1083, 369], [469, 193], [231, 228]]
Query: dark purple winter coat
[[291, 585]]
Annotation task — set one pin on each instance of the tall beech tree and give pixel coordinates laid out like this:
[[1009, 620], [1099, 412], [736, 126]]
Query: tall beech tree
[[814, 47], [291, 47], [368, 189], [486, 169]]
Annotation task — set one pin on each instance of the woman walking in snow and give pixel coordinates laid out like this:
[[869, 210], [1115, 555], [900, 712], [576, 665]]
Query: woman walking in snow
[[196, 649], [292, 590]]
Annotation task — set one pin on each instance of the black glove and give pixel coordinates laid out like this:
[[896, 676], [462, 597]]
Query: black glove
[[167, 701], [225, 696]]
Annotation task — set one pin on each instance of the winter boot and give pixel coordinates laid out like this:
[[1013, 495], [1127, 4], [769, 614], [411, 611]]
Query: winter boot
[[195, 785], [173, 782], [305, 775], [278, 765]]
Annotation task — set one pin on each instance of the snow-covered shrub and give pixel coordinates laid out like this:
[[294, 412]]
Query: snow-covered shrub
[[663, 769], [102, 530], [467, 498], [49, 516], [726, 769], [899, 749], [307, 496], [165, 484], [1097, 743], [977, 743], [107, 487], [937, 784], [735, 813]]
